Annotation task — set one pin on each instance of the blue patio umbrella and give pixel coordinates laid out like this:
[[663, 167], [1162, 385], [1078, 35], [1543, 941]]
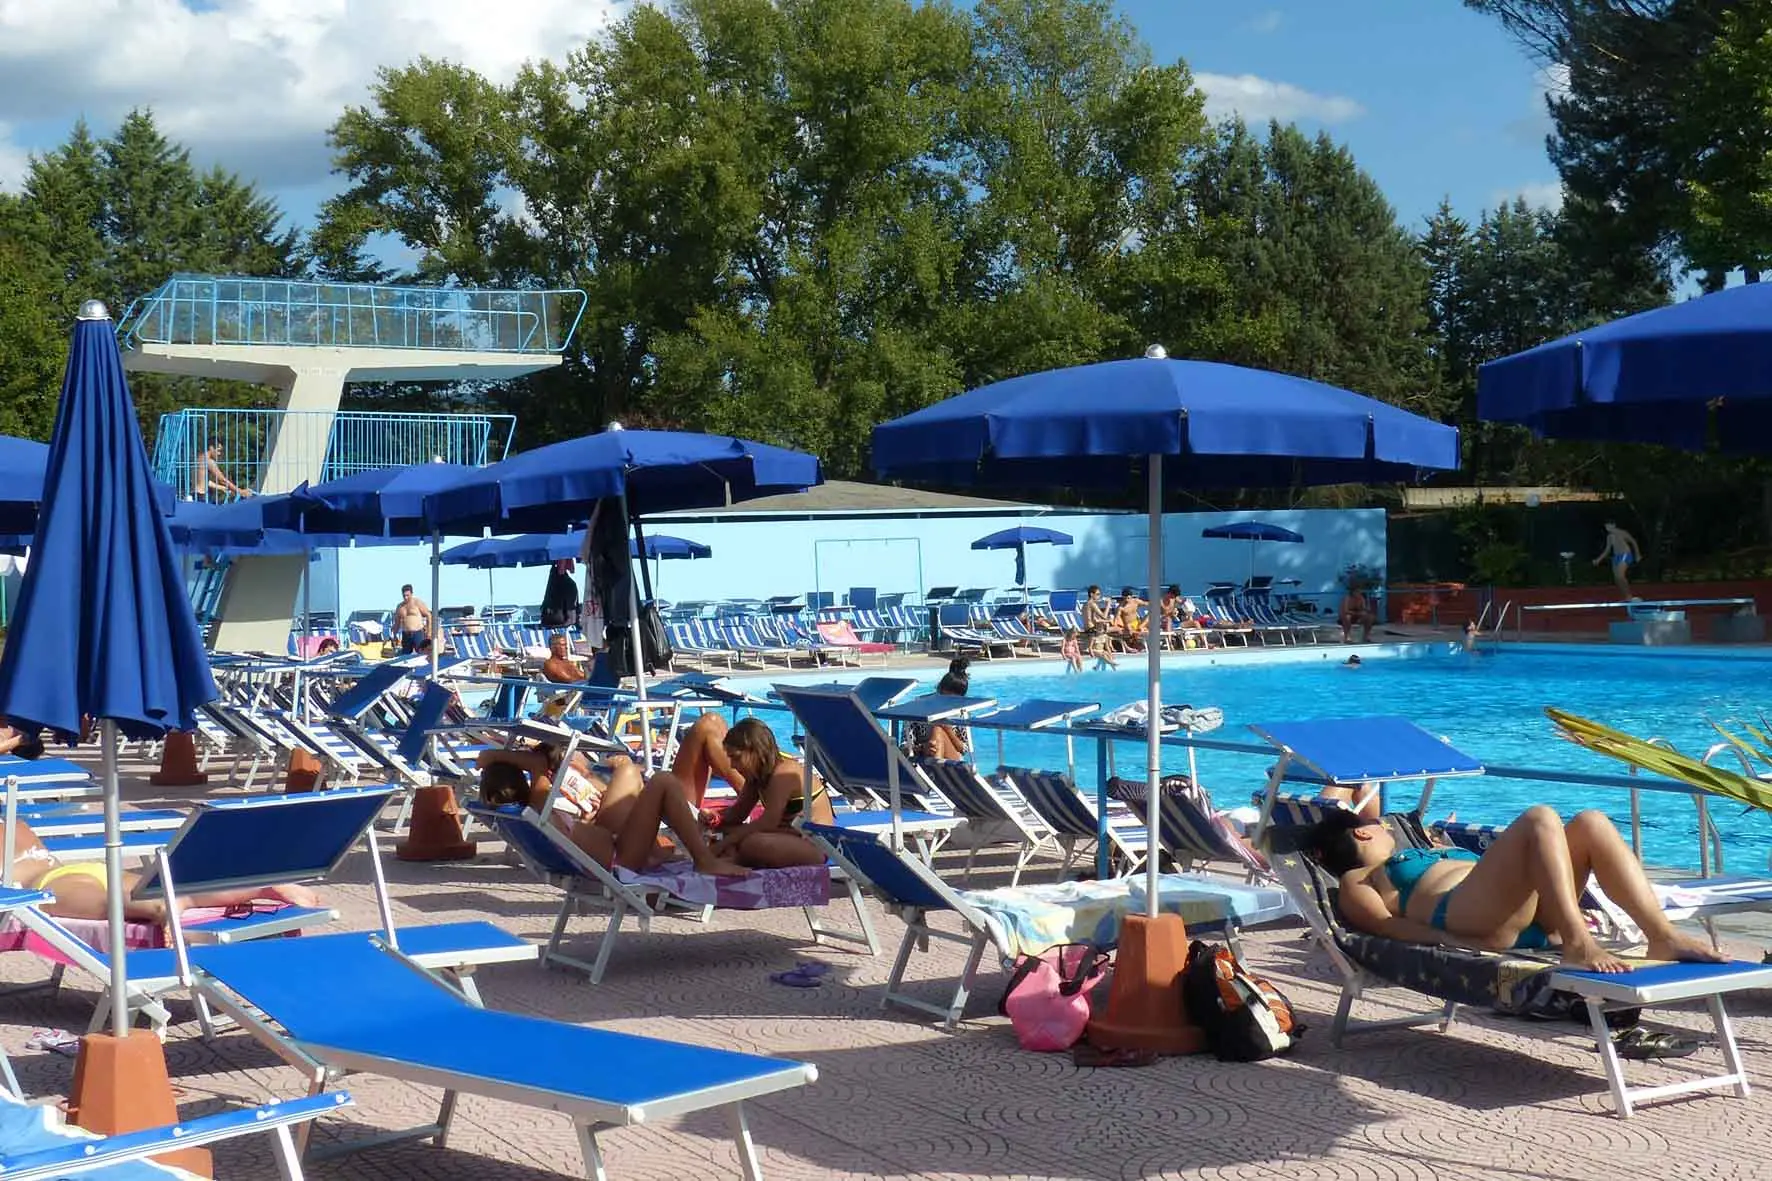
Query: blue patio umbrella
[[382, 502], [1018, 539], [24, 461], [103, 627], [630, 474], [1254, 532], [1192, 423], [1660, 376], [558, 486]]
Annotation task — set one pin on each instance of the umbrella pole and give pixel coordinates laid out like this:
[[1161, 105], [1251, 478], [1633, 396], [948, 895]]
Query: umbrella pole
[[634, 639], [436, 635], [114, 881], [1154, 689]]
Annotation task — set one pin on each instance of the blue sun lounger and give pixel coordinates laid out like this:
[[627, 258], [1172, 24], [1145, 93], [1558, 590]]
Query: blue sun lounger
[[405, 1024], [1355, 751], [857, 758], [909, 886], [229, 845], [35, 1146]]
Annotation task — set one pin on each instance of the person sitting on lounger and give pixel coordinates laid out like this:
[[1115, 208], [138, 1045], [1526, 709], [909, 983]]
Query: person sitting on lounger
[[777, 783], [614, 812], [1524, 890], [559, 667], [939, 740], [1128, 628], [1097, 619], [80, 887]]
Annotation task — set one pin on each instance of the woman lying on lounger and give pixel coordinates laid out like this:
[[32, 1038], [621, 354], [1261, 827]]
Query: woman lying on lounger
[[79, 886], [777, 783], [1522, 891], [614, 813]]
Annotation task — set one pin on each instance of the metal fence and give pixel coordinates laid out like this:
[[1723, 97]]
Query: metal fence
[[221, 310], [277, 449]]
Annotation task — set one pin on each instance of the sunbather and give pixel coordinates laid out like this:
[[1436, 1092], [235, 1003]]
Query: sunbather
[[80, 886], [939, 740], [1524, 889], [17, 742], [777, 782], [560, 667], [615, 812]]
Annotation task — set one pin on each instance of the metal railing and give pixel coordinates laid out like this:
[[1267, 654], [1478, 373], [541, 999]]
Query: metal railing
[[259, 449], [228, 310]]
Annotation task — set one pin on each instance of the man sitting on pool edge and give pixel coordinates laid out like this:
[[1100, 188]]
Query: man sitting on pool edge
[[1524, 889]]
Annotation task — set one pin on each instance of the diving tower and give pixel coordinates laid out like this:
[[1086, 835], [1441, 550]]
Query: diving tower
[[308, 340]]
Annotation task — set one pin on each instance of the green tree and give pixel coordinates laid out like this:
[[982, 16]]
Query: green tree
[[33, 345]]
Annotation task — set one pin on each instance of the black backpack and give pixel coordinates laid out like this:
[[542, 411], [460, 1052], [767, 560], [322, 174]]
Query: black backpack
[[1244, 1017]]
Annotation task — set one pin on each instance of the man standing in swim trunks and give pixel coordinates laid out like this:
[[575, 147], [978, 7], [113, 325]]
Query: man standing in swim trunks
[[1622, 548], [412, 622]]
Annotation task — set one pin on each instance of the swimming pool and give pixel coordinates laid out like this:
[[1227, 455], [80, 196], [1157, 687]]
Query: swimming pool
[[1490, 705]]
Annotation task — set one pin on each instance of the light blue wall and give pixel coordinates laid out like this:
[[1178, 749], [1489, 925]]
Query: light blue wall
[[756, 559]]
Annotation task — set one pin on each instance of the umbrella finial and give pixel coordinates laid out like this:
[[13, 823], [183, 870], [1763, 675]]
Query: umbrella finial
[[1156, 352], [614, 426], [94, 309]]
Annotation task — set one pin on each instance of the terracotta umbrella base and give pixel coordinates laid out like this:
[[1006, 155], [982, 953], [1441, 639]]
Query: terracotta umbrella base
[[121, 1085], [178, 762], [1144, 1009], [436, 833]]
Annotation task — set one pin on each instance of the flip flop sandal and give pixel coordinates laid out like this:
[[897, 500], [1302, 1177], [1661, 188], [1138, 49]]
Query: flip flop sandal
[[812, 968], [1640, 1045], [796, 978]]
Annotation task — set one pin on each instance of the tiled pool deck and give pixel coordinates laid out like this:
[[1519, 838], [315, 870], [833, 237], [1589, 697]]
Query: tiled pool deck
[[896, 1098]]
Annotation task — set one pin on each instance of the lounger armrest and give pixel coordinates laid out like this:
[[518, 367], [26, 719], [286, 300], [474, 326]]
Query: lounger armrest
[[81, 1156]]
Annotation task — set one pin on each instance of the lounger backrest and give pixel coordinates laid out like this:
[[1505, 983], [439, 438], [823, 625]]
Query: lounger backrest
[[876, 693], [971, 796], [527, 838], [1192, 827], [426, 715], [891, 874], [1056, 799], [265, 840], [849, 742]]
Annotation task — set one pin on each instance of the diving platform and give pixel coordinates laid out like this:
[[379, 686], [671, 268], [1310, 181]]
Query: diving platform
[[308, 340]]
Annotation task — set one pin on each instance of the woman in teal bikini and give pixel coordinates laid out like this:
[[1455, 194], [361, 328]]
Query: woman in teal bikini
[[1523, 892]]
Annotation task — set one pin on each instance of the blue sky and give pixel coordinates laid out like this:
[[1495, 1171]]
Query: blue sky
[[1433, 100], [1445, 104]]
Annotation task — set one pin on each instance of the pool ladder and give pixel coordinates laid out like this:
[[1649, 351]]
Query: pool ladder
[[1710, 841], [1487, 632]]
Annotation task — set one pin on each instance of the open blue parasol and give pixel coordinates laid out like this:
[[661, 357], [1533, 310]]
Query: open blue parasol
[[1193, 424], [1676, 375], [1018, 539], [104, 627], [1254, 532]]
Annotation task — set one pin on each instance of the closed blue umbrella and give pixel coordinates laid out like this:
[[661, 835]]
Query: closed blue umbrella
[[104, 627], [1194, 423], [1018, 539], [1254, 532], [24, 462], [1656, 377]]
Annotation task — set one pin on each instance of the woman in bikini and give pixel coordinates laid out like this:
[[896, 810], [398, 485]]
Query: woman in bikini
[[611, 813], [776, 782], [80, 886], [1523, 892], [939, 740]]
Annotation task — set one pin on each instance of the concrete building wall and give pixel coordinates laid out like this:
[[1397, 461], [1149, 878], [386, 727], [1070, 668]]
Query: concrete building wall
[[756, 559]]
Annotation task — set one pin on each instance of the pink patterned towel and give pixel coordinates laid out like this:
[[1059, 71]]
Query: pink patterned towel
[[760, 889], [96, 933]]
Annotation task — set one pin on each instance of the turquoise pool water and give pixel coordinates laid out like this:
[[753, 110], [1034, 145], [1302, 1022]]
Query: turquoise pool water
[[1489, 705]]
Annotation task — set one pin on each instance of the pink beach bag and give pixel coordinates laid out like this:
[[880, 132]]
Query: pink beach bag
[[1047, 1000]]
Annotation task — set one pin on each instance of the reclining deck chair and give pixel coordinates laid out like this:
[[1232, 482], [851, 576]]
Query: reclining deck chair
[[1350, 752], [1022, 920], [992, 814], [1193, 830], [857, 758], [35, 1145], [585, 885], [1071, 815], [224, 845], [409, 1025]]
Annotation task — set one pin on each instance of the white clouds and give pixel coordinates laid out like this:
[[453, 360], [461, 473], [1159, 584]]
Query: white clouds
[[1547, 194], [251, 84], [13, 162], [1257, 100], [1268, 22]]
